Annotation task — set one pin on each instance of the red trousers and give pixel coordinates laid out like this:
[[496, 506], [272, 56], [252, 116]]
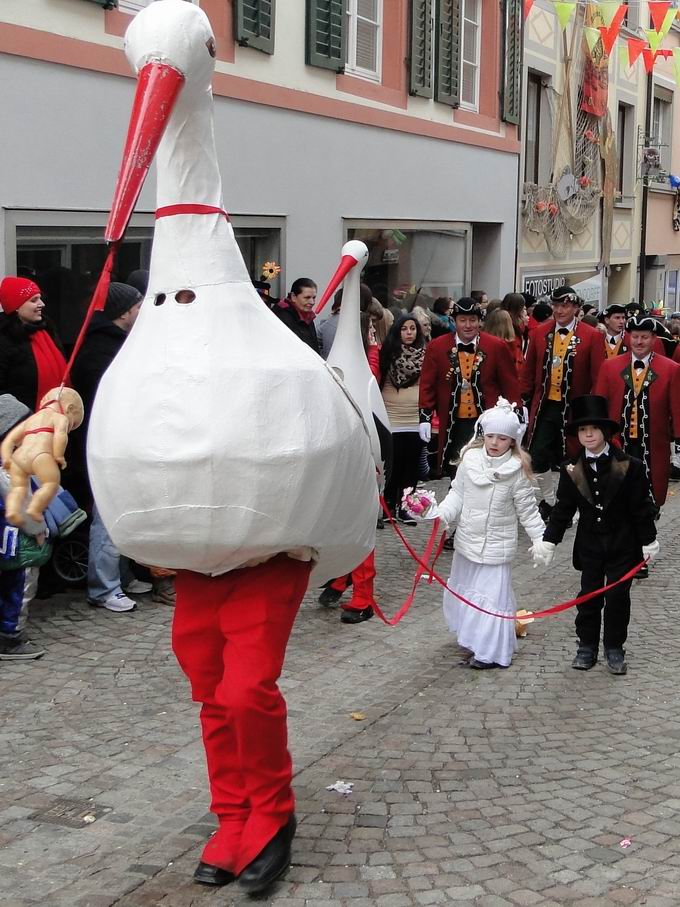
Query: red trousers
[[362, 584], [229, 635]]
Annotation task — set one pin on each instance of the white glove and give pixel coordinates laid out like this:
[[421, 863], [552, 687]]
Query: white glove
[[651, 552], [425, 432], [542, 552]]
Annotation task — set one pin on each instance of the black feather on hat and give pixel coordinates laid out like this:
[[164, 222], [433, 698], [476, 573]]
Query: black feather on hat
[[466, 305], [591, 409]]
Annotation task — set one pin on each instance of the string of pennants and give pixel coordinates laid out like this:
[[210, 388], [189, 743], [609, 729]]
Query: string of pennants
[[663, 15]]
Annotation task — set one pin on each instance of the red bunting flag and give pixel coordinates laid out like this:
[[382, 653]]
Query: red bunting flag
[[527, 7], [658, 10], [610, 34], [635, 48], [648, 56]]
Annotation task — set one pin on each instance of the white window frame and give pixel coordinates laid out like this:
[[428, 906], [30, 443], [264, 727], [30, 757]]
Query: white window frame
[[351, 67], [664, 136], [467, 105], [132, 7]]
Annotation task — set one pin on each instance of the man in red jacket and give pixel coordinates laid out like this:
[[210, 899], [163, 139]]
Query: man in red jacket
[[461, 377], [643, 394], [563, 360]]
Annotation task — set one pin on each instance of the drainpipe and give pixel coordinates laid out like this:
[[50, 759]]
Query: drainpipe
[[645, 192]]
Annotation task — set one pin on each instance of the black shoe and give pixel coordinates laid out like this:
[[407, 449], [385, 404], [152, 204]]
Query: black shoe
[[448, 544], [354, 616], [481, 665], [615, 661], [212, 875], [585, 659], [545, 510], [381, 523], [330, 597], [271, 863], [643, 572], [19, 650], [675, 474], [404, 517]]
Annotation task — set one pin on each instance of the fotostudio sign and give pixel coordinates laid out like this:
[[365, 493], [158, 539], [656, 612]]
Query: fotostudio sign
[[543, 285]]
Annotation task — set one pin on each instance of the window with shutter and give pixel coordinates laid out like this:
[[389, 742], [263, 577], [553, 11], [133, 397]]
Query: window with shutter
[[364, 38], [326, 34], [470, 53], [511, 90], [254, 24], [422, 26], [132, 6], [448, 41]]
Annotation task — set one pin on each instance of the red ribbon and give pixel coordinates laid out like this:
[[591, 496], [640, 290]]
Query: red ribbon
[[172, 210], [424, 568]]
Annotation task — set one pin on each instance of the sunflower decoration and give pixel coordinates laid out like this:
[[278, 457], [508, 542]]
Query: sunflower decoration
[[270, 270]]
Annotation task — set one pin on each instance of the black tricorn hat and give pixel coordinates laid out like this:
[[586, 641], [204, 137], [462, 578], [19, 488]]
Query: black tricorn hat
[[466, 305], [614, 309], [643, 323], [565, 294], [634, 307], [590, 409]]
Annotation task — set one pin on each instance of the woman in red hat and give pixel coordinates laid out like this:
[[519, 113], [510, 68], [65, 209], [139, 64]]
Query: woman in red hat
[[31, 363]]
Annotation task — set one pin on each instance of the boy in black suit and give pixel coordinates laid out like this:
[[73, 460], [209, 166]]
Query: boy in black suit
[[616, 529]]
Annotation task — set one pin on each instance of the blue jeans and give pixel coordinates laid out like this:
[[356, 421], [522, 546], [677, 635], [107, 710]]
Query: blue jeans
[[107, 569], [11, 601]]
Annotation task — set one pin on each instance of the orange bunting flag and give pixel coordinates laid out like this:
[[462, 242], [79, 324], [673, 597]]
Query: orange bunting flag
[[648, 56], [635, 48], [610, 32], [527, 7], [658, 10]]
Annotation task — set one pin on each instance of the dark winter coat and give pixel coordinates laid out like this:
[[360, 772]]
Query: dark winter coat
[[306, 331], [617, 507], [18, 369]]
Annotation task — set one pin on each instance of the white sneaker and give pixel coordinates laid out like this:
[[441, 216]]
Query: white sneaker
[[117, 602], [137, 587]]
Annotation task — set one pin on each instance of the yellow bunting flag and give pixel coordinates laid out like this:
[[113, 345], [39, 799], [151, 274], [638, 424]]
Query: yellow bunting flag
[[624, 59], [608, 10], [676, 64], [592, 36], [668, 21], [654, 37], [564, 12]]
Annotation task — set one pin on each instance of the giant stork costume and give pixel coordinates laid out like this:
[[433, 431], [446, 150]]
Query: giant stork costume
[[221, 445]]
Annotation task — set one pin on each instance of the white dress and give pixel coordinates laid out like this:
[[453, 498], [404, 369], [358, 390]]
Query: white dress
[[487, 497]]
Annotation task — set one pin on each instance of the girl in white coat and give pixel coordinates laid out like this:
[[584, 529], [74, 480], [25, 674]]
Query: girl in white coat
[[491, 491]]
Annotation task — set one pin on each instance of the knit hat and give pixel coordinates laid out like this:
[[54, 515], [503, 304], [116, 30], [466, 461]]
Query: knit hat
[[12, 411], [15, 291], [120, 299], [502, 419], [139, 279]]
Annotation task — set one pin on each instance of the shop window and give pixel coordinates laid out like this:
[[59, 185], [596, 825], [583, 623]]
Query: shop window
[[410, 265], [469, 74], [364, 38]]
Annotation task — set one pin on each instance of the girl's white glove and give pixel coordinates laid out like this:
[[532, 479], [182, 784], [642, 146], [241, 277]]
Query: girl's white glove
[[651, 552], [542, 552]]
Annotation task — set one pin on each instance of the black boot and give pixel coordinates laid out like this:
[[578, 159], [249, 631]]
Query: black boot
[[212, 875], [355, 615], [586, 658], [330, 597], [271, 863], [616, 663]]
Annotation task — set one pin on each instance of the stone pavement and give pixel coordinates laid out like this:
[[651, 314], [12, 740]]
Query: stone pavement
[[491, 789]]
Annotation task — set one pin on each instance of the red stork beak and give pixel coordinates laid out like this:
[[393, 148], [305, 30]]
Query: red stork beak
[[158, 88], [347, 262]]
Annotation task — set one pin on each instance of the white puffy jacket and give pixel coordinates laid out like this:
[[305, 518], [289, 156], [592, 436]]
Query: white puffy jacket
[[487, 497]]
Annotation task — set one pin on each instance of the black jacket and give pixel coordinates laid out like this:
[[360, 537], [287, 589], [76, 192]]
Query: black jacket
[[302, 329], [18, 370], [615, 512]]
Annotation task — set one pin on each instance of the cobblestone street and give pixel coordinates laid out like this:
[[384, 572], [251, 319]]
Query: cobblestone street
[[492, 789]]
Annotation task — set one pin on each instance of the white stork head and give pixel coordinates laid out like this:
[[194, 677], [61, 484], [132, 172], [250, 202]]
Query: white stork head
[[171, 47], [353, 253]]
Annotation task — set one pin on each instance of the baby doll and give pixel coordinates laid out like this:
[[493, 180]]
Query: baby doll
[[36, 447]]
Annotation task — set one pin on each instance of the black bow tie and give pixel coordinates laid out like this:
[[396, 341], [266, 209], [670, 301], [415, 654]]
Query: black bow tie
[[563, 331], [638, 364], [466, 347], [612, 340], [601, 463]]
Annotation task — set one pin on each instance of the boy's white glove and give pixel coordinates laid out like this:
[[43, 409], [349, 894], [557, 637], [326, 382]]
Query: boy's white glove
[[651, 552], [542, 552], [425, 432]]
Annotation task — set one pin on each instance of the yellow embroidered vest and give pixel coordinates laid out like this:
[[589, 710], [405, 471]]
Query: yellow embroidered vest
[[612, 351], [559, 351], [466, 404], [638, 382]]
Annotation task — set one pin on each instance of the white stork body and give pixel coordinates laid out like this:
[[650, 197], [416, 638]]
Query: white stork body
[[217, 438]]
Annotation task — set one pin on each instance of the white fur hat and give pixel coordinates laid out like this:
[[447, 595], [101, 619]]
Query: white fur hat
[[502, 419]]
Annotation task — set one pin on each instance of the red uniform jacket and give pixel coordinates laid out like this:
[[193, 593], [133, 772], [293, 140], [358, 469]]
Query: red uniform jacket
[[582, 364], [494, 376], [659, 407]]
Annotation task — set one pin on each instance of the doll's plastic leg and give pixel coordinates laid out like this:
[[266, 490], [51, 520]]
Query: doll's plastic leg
[[47, 471], [16, 496]]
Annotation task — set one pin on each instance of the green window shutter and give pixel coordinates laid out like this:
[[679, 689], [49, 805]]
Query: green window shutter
[[511, 89], [421, 48], [326, 34], [254, 24], [448, 51], [107, 4]]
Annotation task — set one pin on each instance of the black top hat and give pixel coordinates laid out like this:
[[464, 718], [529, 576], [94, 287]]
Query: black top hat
[[643, 323], [466, 305], [565, 294], [590, 410], [614, 309]]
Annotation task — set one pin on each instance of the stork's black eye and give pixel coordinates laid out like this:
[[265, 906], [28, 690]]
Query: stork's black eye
[[210, 44]]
